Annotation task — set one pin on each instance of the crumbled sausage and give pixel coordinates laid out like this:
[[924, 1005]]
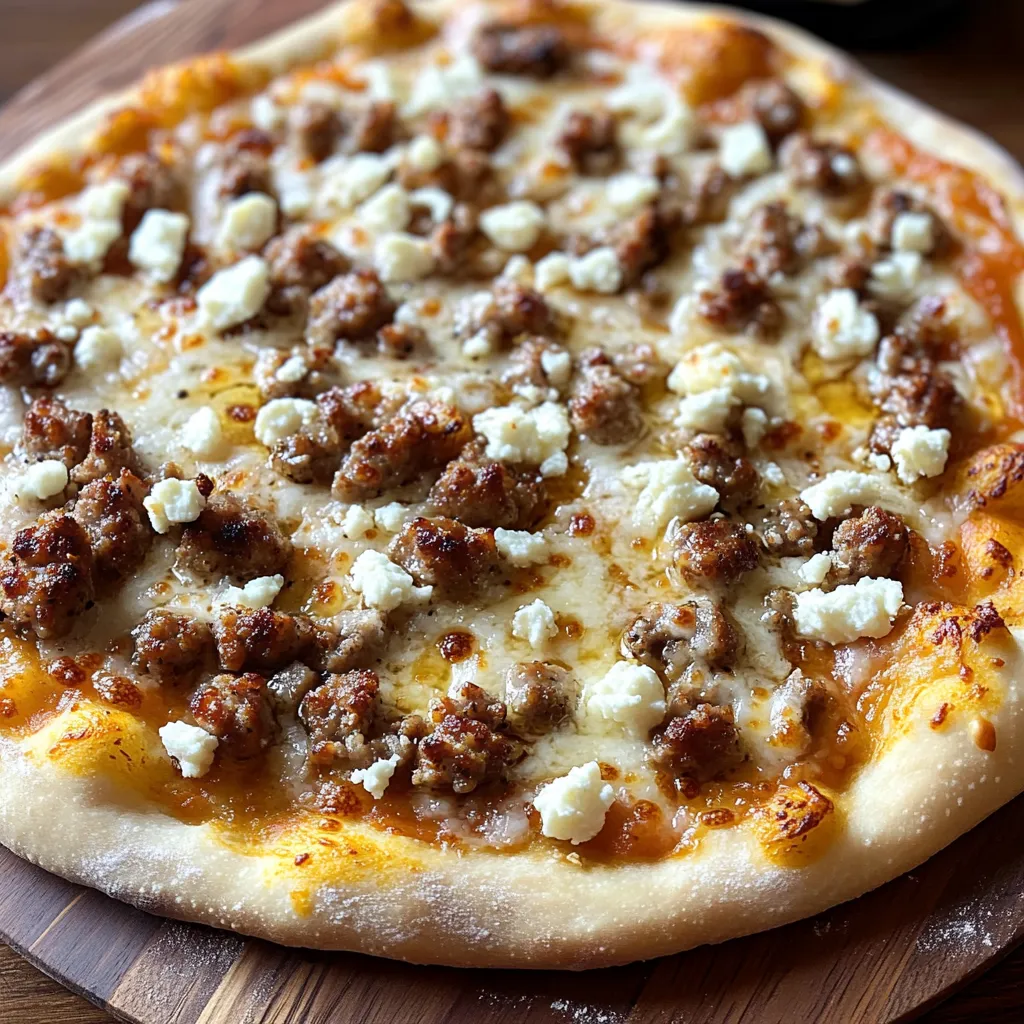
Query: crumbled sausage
[[479, 491], [928, 398], [742, 301], [233, 538], [479, 122], [710, 191], [466, 175], [111, 511], [44, 267], [400, 341], [513, 311], [290, 685], [423, 436], [342, 708], [152, 184], [713, 551], [826, 167], [670, 637], [640, 364], [526, 364], [539, 51], [456, 241], [871, 544], [604, 407], [238, 711], [775, 242], [311, 371], [773, 104], [788, 529], [371, 130], [110, 449], [315, 130], [48, 580], [54, 431], [701, 744], [170, 647], [33, 360], [354, 639], [887, 204], [645, 241], [261, 639], [720, 463], [445, 554], [588, 139], [352, 307], [300, 264], [539, 695], [244, 164], [467, 746]]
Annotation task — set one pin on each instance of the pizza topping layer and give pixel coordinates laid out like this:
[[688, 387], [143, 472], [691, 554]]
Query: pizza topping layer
[[500, 429]]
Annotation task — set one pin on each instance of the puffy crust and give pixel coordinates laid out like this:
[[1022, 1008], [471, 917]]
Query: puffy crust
[[404, 899]]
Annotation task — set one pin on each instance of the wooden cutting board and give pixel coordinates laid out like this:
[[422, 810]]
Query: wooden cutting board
[[884, 957]]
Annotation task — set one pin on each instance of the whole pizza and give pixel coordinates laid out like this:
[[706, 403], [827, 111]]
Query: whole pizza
[[512, 484]]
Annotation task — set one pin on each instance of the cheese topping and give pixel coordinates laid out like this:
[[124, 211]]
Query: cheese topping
[[574, 807], [865, 608], [193, 748]]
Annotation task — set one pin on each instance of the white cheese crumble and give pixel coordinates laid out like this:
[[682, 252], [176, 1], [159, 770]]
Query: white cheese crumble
[[534, 623], [435, 200], [629, 694], [292, 370], [282, 417], [193, 748], [538, 436], [920, 452], [515, 226], [78, 313], [383, 584], [913, 232], [754, 424], [424, 154], [202, 433], [574, 807], [105, 201], [838, 492], [258, 593], [521, 547], [598, 271], [895, 277], [41, 480], [713, 382], [745, 150], [707, 411], [816, 568], [98, 348], [349, 182], [235, 294], [101, 207], [842, 328], [391, 517], [630, 190], [358, 522], [388, 210], [866, 608], [249, 222], [668, 490], [551, 271], [557, 367], [375, 779], [399, 257], [173, 501], [158, 244]]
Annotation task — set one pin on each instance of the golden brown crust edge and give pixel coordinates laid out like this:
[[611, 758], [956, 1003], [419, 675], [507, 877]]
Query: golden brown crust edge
[[534, 911]]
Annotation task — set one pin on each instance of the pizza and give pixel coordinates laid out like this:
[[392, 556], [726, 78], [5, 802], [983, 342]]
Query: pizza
[[508, 484]]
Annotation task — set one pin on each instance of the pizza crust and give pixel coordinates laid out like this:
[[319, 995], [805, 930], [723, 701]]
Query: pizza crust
[[422, 904]]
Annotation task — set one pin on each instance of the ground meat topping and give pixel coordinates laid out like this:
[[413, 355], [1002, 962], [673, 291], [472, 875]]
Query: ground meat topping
[[300, 264], [233, 538], [172, 648], [701, 744], [645, 241], [720, 463], [372, 130], [354, 639], [775, 242], [789, 529], [741, 302], [537, 362], [710, 191], [152, 185], [110, 449], [315, 129], [713, 551], [44, 268], [479, 491], [352, 307], [927, 397], [238, 710], [261, 639], [116, 521], [467, 746], [669, 637], [773, 104], [48, 579], [539, 51], [244, 164], [871, 544], [825, 167], [478, 122], [341, 709], [54, 431], [513, 311], [588, 139], [302, 372], [33, 360], [604, 407], [539, 696], [445, 554], [420, 438]]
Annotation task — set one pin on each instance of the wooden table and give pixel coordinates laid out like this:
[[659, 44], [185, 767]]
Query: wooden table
[[972, 69]]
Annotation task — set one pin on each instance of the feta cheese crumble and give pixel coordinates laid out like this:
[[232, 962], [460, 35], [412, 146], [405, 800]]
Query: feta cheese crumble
[[838, 492], [235, 294], [249, 222], [258, 593], [98, 348], [202, 433], [282, 417], [668, 490], [816, 568], [574, 807], [920, 452], [383, 584], [629, 694], [158, 244], [842, 328], [745, 150], [538, 436], [375, 779], [534, 623], [521, 547], [41, 480], [173, 501], [514, 227], [193, 748], [865, 608]]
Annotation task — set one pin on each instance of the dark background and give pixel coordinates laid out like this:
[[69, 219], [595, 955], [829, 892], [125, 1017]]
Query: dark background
[[966, 58]]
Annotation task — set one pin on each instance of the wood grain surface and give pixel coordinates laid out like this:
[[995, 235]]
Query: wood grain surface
[[880, 958]]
